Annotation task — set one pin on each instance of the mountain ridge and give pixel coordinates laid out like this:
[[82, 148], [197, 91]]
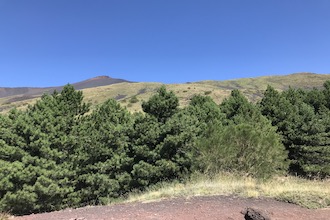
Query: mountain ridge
[[34, 91], [126, 92]]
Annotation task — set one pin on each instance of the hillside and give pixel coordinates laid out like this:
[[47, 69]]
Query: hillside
[[99, 89], [31, 92], [22, 96], [253, 88]]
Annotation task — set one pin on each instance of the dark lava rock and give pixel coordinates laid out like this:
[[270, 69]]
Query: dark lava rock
[[254, 214]]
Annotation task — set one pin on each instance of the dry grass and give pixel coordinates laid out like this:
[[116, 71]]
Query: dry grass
[[123, 92], [306, 193], [143, 91], [4, 216], [301, 80], [252, 88]]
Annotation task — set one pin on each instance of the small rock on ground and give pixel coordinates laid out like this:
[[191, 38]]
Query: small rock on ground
[[255, 214]]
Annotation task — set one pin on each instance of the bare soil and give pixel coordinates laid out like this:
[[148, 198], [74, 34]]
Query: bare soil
[[206, 207]]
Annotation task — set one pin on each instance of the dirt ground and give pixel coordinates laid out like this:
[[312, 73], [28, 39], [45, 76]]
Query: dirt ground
[[206, 207]]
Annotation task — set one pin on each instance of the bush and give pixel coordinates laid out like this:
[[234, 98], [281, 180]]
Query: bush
[[243, 148], [134, 99]]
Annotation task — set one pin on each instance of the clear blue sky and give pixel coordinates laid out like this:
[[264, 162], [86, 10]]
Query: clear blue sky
[[54, 42]]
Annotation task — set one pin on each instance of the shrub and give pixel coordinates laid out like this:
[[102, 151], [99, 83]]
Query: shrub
[[243, 148], [134, 99]]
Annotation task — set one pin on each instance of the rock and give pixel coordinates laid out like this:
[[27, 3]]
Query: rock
[[255, 214]]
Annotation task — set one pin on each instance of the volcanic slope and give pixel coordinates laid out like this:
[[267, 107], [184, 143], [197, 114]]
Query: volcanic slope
[[131, 95]]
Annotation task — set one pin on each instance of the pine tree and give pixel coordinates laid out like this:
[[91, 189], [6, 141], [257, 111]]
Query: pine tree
[[102, 155], [205, 109], [301, 117], [162, 144], [162, 105], [43, 139], [238, 109]]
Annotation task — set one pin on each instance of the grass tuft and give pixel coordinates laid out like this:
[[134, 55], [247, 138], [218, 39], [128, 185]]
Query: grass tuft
[[306, 193], [4, 216], [313, 200]]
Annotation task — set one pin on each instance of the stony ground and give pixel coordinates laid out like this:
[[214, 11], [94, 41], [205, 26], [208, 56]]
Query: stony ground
[[210, 208]]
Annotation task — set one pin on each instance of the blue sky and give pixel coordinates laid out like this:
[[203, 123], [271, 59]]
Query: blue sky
[[54, 42]]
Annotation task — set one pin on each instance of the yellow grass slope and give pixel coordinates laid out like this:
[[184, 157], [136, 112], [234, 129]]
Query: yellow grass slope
[[125, 93], [131, 95]]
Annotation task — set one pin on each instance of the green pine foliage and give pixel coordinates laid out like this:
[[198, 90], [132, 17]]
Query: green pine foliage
[[162, 105], [162, 150], [102, 161], [58, 153], [302, 118], [237, 109], [205, 109], [246, 143], [39, 150]]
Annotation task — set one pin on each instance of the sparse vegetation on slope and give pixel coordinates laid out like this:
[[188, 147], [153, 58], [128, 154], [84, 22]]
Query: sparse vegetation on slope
[[252, 88], [280, 82]]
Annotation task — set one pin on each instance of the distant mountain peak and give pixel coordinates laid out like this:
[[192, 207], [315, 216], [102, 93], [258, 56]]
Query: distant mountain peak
[[88, 83], [97, 81], [100, 77]]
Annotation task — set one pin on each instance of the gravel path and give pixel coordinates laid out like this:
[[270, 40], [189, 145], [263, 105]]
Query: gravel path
[[206, 207]]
